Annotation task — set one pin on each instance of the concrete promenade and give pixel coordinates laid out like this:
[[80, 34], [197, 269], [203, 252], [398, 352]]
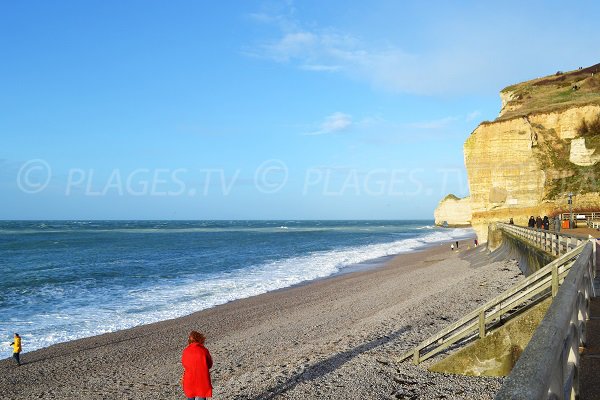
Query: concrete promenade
[[562, 358], [589, 387]]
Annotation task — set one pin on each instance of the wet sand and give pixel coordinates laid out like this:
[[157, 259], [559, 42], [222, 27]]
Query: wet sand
[[334, 338]]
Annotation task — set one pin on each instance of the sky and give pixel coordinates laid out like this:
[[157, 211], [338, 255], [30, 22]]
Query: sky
[[260, 109]]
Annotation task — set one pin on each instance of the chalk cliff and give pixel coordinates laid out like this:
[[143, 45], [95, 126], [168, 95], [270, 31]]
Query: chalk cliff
[[544, 144], [453, 212]]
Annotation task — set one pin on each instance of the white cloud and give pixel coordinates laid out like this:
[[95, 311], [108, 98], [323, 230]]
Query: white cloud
[[458, 62], [390, 68], [472, 115], [433, 124], [263, 17], [333, 123], [290, 46], [321, 68], [444, 122]]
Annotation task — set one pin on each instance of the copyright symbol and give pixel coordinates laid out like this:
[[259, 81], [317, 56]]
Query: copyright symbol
[[34, 176], [271, 176]]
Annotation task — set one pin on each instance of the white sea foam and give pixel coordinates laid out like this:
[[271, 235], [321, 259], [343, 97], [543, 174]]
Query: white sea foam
[[427, 227], [96, 312]]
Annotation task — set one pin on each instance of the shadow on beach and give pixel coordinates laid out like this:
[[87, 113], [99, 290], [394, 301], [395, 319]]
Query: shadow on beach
[[329, 365]]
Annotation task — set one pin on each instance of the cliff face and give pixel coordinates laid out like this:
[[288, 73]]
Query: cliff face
[[544, 144], [453, 212]]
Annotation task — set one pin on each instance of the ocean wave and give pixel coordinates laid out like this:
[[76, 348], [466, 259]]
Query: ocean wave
[[164, 230], [428, 227], [102, 310]]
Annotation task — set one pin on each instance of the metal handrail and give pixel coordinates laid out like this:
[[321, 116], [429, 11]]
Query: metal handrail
[[481, 321], [588, 215], [548, 368], [550, 241]]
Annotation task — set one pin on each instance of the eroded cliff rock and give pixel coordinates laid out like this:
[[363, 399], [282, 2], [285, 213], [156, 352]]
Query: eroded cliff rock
[[453, 212], [581, 155], [544, 144]]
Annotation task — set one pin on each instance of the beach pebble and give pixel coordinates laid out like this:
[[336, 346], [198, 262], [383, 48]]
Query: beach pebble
[[331, 339]]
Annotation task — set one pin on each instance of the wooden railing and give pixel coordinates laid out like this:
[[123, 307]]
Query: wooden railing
[[539, 285], [549, 241], [592, 219], [588, 215], [549, 366]]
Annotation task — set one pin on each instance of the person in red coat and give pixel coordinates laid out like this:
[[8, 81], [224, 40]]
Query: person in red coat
[[196, 362]]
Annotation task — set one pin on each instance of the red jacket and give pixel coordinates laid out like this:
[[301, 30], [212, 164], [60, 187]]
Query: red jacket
[[196, 362]]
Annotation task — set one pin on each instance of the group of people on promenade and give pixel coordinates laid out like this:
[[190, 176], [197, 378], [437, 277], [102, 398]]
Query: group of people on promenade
[[544, 223], [196, 361]]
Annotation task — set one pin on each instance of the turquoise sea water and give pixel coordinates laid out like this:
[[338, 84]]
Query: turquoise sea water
[[63, 280]]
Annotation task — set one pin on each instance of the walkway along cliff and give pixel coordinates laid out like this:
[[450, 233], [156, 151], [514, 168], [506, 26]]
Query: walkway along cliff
[[537, 331]]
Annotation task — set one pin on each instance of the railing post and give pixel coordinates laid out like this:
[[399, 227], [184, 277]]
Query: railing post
[[555, 391], [530, 235], [594, 261], [543, 237], [558, 244], [482, 324], [554, 280]]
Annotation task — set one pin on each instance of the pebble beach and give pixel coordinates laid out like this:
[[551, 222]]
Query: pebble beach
[[334, 338]]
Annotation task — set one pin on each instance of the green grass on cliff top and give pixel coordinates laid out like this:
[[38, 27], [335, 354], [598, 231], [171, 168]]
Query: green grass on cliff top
[[554, 92]]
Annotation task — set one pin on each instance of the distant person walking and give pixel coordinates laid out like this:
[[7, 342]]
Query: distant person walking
[[546, 222], [557, 223], [511, 222], [452, 247], [457, 245], [475, 242], [197, 362], [531, 223], [16, 344], [538, 222]]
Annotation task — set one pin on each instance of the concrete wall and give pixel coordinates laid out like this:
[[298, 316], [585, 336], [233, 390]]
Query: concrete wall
[[506, 245], [530, 258], [497, 353]]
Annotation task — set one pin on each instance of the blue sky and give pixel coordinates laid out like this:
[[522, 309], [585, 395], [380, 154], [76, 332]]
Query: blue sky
[[260, 110]]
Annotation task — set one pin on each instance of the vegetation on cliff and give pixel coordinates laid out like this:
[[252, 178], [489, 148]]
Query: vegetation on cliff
[[564, 176], [590, 130], [556, 93], [552, 93], [450, 196], [544, 144]]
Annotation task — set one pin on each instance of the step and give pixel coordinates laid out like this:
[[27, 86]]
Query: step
[[592, 333], [588, 378], [597, 285], [595, 307]]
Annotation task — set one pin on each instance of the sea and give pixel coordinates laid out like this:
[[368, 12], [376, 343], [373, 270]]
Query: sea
[[64, 280]]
